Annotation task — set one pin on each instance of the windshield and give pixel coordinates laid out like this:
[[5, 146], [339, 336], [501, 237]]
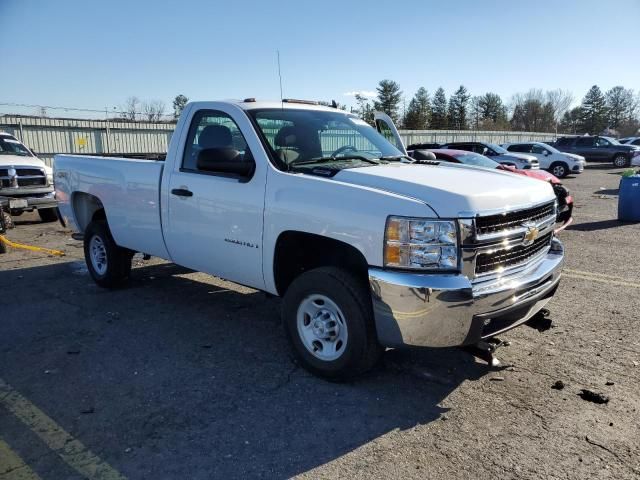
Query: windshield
[[546, 146], [475, 159], [13, 147], [497, 148], [613, 141], [307, 136]]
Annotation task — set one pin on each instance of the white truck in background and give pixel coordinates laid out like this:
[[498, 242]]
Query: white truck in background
[[368, 248], [25, 180]]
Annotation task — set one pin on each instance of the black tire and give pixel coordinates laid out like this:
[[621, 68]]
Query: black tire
[[561, 168], [48, 214], [118, 259], [620, 160], [362, 349], [3, 248]]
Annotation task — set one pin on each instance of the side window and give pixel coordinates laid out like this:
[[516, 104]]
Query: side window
[[636, 142], [519, 148], [387, 133], [585, 142], [601, 142], [217, 133], [539, 149], [564, 142], [480, 149]]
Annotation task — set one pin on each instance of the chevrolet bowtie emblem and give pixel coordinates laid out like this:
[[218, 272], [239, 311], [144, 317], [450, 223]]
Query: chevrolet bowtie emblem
[[530, 235]]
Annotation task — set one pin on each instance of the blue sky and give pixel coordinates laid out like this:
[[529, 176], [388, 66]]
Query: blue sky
[[96, 54]]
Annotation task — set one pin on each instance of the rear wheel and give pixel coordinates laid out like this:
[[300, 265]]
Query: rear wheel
[[109, 265], [559, 169], [48, 214], [621, 161], [328, 319]]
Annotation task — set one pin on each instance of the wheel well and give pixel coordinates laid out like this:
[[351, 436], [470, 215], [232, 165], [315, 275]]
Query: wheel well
[[617, 154], [87, 207], [297, 252], [559, 162]]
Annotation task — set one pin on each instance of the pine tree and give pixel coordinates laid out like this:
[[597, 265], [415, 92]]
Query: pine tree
[[419, 111], [459, 109], [621, 106], [389, 96], [178, 105], [439, 110], [593, 118]]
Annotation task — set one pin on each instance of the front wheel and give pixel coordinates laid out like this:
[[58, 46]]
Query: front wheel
[[621, 161], [328, 318], [109, 265], [559, 169]]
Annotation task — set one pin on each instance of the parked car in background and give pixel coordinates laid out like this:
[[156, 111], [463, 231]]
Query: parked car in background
[[8, 136], [423, 146], [599, 149], [550, 158], [630, 141], [497, 153], [25, 180], [565, 200]]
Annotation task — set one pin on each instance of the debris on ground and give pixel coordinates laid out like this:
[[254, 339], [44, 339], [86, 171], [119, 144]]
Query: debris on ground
[[594, 397], [558, 385], [609, 383]]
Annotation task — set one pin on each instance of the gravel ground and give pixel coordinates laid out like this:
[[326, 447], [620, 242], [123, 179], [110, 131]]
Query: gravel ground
[[183, 375]]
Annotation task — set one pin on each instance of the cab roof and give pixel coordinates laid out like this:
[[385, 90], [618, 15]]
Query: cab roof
[[286, 104]]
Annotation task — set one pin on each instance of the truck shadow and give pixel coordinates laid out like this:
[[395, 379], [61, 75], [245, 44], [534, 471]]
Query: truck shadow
[[197, 379]]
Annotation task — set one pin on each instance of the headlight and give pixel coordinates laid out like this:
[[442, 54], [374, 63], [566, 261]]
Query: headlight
[[49, 178], [418, 243]]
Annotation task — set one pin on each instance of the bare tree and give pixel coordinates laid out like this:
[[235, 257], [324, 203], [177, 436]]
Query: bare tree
[[560, 101], [131, 108], [153, 110]]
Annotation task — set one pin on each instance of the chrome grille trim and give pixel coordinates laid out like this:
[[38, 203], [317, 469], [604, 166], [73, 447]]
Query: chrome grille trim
[[476, 242]]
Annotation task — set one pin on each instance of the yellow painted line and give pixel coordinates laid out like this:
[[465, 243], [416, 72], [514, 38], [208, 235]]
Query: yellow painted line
[[71, 450], [12, 467], [593, 278]]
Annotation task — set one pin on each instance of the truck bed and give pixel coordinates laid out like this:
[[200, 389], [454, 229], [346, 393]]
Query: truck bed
[[129, 190]]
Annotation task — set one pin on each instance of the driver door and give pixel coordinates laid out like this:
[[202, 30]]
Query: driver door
[[388, 130]]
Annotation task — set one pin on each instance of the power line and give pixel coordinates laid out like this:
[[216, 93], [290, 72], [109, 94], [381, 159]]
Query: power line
[[75, 109]]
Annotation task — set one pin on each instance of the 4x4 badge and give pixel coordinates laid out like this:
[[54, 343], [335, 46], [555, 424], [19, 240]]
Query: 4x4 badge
[[530, 235]]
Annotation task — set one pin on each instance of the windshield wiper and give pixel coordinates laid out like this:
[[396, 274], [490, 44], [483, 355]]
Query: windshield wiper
[[336, 159]]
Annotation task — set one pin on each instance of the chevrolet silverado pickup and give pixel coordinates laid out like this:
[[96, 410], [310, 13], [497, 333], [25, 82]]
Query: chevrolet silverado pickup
[[25, 180], [367, 247]]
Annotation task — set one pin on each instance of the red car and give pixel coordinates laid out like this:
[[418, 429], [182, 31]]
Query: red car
[[565, 200]]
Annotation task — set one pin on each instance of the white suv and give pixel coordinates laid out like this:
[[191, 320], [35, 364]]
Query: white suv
[[559, 163]]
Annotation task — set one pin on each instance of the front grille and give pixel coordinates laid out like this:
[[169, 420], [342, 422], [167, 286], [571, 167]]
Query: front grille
[[506, 258], [508, 220], [32, 182], [26, 177]]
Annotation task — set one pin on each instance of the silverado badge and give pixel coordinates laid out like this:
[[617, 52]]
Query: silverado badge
[[530, 235]]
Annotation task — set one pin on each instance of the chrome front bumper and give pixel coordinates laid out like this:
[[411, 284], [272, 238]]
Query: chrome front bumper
[[448, 310]]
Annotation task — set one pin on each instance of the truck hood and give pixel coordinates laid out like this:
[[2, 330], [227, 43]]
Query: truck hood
[[458, 191], [21, 161]]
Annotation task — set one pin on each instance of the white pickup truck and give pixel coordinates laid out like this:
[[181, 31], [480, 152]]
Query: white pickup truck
[[368, 248]]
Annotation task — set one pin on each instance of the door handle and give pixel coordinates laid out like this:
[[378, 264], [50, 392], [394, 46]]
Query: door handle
[[182, 192]]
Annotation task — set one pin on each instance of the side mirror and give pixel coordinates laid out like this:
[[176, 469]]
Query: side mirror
[[423, 155], [226, 160], [547, 153], [485, 152]]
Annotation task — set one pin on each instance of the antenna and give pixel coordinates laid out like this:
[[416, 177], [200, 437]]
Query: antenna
[[280, 77]]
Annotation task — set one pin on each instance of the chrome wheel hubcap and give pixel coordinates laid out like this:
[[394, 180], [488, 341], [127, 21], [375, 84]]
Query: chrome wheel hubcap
[[322, 327], [98, 255]]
